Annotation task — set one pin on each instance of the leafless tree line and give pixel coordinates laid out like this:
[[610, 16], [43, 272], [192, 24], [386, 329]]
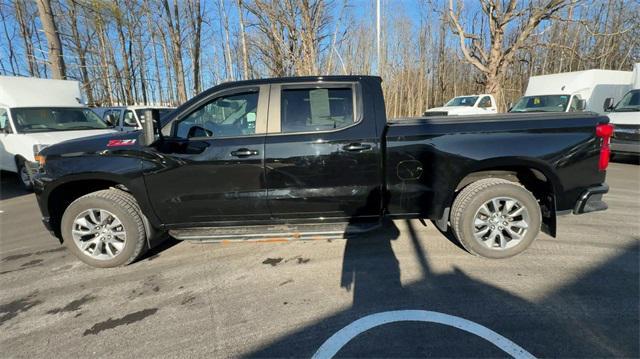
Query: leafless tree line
[[164, 51]]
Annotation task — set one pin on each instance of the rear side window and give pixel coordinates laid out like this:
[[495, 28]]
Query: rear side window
[[316, 109]]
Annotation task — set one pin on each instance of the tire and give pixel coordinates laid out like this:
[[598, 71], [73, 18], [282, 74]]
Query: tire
[[24, 178], [120, 245], [500, 198]]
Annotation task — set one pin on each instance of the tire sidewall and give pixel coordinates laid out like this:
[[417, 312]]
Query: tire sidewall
[[130, 227], [22, 167], [501, 190]]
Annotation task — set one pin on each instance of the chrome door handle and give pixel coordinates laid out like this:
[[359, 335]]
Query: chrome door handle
[[355, 147], [244, 152]]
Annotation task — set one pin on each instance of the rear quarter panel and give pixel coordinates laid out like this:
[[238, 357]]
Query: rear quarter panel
[[563, 147]]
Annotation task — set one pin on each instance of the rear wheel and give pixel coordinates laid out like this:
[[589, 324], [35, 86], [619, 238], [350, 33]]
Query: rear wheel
[[495, 218], [104, 229]]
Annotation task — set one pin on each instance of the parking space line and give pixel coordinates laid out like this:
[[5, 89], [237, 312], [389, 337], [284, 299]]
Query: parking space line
[[338, 340]]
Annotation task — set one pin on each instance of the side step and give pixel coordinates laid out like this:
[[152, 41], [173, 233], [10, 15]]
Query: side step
[[274, 233]]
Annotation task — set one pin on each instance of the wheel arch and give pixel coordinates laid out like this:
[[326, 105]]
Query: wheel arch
[[64, 192], [535, 175]]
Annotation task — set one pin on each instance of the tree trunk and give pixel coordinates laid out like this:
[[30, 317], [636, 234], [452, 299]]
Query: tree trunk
[[245, 55], [196, 29], [56, 58], [227, 41], [173, 22]]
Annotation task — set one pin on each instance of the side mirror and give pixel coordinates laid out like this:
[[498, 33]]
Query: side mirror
[[608, 104], [197, 131], [111, 120], [582, 104], [509, 106]]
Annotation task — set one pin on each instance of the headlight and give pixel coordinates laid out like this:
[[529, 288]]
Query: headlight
[[38, 148]]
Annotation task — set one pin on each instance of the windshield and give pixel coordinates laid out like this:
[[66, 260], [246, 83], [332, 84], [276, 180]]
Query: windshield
[[462, 101], [29, 120], [630, 102], [547, 103]]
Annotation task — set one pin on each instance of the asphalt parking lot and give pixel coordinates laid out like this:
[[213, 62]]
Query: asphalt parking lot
[[573, 296]]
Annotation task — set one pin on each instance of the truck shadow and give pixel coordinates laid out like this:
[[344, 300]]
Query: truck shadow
[[593, 316], [9, 186]]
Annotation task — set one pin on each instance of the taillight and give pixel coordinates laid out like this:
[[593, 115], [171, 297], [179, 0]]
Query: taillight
[[604, 131]]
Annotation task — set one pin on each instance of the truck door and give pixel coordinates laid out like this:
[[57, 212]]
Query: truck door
[[322, 156], [211, 168]]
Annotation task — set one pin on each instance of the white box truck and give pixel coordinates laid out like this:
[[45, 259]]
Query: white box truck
[[625, 116], [36, 113], [573, 91]]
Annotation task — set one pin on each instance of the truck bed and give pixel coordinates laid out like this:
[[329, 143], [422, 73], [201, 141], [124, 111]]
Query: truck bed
[[425, 155]]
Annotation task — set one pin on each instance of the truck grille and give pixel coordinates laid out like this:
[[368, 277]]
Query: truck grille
[[627, 132]]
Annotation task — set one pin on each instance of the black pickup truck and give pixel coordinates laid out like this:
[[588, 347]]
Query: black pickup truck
[[275, 156]]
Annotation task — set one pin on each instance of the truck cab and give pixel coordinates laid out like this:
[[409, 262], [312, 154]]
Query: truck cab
[[466, 105]]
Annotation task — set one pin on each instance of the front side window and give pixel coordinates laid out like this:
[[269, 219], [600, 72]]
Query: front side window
[[4, 120], [29, 120], [574, 106], [232, 115], [130, 119], [316, 109], [629, 103], [485, 102]]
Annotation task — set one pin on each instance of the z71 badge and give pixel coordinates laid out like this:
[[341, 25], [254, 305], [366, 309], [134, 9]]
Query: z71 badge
[[117, 143]]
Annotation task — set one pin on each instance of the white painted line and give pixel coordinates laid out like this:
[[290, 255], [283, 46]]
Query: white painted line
[[333, 345]]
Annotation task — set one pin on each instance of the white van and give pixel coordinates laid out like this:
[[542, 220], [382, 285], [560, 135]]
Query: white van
[[129, 118], [483, 104], [573, 91], [36, 113], [625, 116]]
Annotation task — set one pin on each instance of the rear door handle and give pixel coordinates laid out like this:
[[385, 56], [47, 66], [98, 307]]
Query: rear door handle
[[355, 147], [244, 152]]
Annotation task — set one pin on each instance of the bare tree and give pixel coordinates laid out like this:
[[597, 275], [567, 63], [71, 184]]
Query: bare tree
[[493, 61], [195, 22], [243, 41], [48, 21], [25, 33], [173, 24]]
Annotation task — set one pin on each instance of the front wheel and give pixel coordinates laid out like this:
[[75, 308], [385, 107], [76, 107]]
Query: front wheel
[[24, 177], [104, 228], [495, 218]]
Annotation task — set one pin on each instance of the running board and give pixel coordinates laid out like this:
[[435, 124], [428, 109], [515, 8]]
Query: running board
[[274, 233]]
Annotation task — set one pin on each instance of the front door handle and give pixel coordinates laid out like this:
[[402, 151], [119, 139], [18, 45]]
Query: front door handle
[[244, 152], [356, 147]]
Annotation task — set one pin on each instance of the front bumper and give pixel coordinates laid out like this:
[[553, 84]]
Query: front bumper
[[591, 200]]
